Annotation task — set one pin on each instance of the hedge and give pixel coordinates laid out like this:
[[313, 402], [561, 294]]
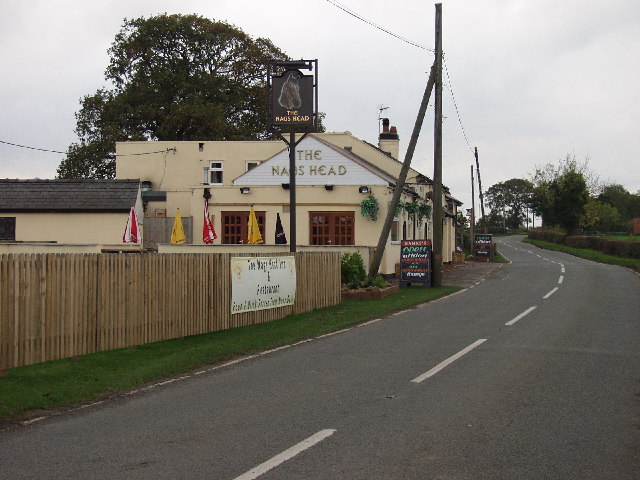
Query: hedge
[[618, 248]]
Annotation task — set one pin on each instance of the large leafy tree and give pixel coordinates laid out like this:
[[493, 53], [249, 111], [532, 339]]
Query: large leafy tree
[[509, 199], [173, 77], [561, 193]]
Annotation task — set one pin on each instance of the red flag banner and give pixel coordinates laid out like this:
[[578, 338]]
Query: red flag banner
[[208, 232], [131, 234]]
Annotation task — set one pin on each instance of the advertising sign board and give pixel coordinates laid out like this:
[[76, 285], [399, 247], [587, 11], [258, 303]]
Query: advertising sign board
[[482, 245], [415, 262], [258, 283]]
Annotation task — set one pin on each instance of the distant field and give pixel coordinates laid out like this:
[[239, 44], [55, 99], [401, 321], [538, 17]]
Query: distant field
[[626, 238]]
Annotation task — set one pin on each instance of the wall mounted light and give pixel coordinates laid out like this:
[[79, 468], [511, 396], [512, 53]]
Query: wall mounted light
[[285, 186], [328, 187], [364, 189], [245, 190]]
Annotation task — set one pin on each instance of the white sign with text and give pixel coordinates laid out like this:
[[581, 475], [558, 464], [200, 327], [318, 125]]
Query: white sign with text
[[258, 283]]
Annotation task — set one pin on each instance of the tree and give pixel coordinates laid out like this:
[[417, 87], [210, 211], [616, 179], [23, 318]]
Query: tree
[[561, 193], [510, 199], [173, 77]]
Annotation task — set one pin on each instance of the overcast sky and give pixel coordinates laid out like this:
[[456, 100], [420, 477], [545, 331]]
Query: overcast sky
[[533, 80]]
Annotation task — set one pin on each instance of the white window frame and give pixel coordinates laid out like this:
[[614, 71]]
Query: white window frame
[[215, 167]]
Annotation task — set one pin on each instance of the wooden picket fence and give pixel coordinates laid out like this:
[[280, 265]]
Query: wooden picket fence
[[56, 306]]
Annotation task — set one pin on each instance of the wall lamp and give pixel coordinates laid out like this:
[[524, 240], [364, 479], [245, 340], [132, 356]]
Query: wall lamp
[[328, 187], [364, 189], [245, 190], [285, 186]]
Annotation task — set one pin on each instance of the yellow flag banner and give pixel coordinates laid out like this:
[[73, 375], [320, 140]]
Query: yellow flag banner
[[253, 235], [177, 233]]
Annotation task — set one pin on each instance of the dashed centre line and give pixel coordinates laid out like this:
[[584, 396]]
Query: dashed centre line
[[523, 314], [448, 361], [554, 290], [286, 455]]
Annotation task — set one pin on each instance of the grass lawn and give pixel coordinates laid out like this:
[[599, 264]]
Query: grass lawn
[[626, 238], [26, 391], [588, 254]]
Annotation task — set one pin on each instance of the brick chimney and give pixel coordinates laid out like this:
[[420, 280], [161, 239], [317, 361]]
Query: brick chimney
[[389, 140]]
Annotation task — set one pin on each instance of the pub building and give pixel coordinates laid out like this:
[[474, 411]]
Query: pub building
[[343, 189]]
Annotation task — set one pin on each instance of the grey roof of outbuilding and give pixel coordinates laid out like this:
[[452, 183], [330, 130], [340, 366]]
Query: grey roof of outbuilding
[[67, 195]]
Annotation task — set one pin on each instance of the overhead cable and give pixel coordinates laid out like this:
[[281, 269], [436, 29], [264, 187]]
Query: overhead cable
[[66, 153], [369, 22]]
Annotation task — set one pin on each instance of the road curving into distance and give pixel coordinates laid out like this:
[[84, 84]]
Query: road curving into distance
[[533, 373]]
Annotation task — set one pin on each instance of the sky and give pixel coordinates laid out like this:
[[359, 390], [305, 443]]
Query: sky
[[527, 82]]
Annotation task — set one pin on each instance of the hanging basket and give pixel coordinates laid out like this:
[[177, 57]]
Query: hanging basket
[[369, 208]]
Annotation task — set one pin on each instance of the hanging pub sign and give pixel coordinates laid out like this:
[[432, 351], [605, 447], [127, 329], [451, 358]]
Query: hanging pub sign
[[482, 245], [292, 96], [415, 262]]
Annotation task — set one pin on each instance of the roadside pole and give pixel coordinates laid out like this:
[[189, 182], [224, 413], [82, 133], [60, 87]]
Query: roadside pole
[[437, 156]]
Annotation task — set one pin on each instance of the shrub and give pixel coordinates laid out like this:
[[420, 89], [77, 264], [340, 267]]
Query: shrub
[[352, 270]]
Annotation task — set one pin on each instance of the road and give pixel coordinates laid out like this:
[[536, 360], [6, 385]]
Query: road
[[532, 374]]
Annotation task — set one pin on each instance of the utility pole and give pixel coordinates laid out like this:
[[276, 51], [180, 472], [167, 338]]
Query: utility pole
[[437, 156], [397, 191], [472, 230], [484, 218]]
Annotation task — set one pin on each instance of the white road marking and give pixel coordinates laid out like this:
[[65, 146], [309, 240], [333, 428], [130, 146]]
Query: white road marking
[[286, 455], [562, 268], [448, 361], [561, 279], [523, 314], [551, 292]]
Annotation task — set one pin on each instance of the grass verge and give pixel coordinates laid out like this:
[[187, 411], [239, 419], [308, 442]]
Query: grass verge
[[587, 253], [26, 391]]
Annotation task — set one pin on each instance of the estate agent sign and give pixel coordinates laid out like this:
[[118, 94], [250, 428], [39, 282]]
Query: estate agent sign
[[415, 262], [259, 283]]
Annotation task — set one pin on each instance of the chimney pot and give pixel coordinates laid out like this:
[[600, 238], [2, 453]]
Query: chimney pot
[[385, 125], [394, 130]]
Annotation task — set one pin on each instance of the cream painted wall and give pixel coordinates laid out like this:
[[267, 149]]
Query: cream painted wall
[[96, 228], [180, 174]]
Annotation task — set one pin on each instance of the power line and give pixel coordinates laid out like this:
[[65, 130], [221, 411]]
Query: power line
[[369, 22], [66, 153], [32, 148], [455, 104]]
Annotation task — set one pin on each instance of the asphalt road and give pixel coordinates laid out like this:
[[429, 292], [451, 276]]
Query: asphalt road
[[532, 374]]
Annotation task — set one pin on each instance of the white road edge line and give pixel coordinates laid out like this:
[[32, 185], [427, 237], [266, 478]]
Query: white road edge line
[[286, 455], [448, 361], [561, 279], [523, 314], [551, 292]]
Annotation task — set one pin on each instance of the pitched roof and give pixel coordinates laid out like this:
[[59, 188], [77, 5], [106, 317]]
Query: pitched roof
[[67, 195]]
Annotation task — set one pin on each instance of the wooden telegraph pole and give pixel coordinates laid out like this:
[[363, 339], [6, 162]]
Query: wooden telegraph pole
[[437, 156], [484, 219], [472, 220]]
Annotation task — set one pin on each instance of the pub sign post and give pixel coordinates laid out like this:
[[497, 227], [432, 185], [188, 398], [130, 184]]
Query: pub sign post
[[293, 108]]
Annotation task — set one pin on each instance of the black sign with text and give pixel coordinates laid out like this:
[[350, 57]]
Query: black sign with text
[[482, 245], [292, 99], [415, 262]]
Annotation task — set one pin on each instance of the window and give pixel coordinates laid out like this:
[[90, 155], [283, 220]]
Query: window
[[394, 230], [331, 228], [7, 229], [252, 165], [235, 226], [215, 173]]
